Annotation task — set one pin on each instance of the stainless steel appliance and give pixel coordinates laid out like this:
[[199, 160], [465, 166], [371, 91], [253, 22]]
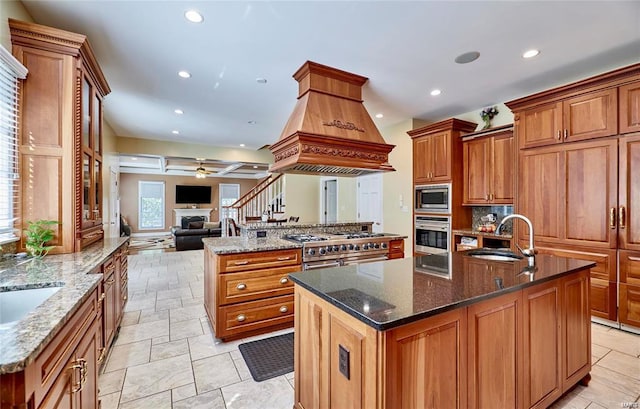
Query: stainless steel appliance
[[332, 250], [432, 234], [433, 198]]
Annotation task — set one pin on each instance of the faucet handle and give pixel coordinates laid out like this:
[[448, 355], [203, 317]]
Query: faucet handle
[[527, 252], [520, 248]]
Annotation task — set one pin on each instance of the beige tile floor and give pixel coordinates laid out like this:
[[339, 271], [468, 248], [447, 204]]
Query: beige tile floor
[[166, 357]]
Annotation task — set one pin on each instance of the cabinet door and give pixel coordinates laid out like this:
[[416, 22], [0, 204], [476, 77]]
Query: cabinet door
[[541, 192], [59, 395], [629, 193], [441, 157], [542, 352], [493, 359], [419, 378], [629, 292], [541, 126], [592, 115], [591, 193], [629, 107], [87, 396], [476, 164], [502, 169], [422, 158], [109, 308], [576, 324]]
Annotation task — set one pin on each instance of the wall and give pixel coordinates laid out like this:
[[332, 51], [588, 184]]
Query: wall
[[129, 195], [110, 213], [302, 195], [10, 9]]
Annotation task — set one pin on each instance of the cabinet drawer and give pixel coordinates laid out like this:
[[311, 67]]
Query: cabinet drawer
[[630, 304], [253, 285], [630, 267], [605, 259], [230, 263], [254, 315]]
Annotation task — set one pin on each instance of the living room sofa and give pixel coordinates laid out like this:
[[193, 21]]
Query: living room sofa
[[189, 235]]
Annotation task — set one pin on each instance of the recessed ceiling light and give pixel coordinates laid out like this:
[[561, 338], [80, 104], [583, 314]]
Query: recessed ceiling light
[[175, 132], [255, 166], [133, 158], [530, 53], [467, 57], [178, 111], [251, 122], [200, 159], [242, 145], [261, 80], [193, 16], [435, 92], [184, 74], [380, 115]]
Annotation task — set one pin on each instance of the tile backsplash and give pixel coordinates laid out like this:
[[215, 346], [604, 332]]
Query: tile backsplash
[[499, 211]]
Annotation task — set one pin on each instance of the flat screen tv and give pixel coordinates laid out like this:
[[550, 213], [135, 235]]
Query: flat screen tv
[[193, 194]]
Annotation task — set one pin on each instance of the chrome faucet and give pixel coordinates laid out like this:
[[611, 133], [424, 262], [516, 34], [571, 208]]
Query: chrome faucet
[[530, 252]]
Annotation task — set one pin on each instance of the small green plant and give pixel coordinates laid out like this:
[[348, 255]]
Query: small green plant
[[38, 233]]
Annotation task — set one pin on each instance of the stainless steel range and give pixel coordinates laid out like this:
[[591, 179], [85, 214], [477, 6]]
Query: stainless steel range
[[339, 249]]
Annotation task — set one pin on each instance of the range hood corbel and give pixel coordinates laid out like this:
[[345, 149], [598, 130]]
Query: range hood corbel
[[330, 131]]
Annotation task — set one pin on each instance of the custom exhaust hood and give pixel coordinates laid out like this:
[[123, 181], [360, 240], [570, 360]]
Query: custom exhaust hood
[[330, 132]]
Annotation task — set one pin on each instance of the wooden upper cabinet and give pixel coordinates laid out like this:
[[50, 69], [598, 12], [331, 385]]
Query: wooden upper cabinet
[[436, 148], [629, 193], [60, 133], [629, 107], [589, 116], [541, 126], [488, 169]]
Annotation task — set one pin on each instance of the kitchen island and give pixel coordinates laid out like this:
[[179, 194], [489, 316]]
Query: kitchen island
[[441, 331]]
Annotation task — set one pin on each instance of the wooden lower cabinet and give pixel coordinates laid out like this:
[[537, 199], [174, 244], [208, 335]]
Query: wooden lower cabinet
[[519, 350], [396, 249], [249, 293], [629, 288]]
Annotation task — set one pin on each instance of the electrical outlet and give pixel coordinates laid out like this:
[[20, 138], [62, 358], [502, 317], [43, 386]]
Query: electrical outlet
[[261, 234], [343, 361]]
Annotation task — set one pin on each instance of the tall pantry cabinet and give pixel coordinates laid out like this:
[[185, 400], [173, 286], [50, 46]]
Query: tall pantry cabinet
[[579, 182], [60, 138]]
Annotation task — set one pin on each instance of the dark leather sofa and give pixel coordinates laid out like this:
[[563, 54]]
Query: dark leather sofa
[[189, 235]]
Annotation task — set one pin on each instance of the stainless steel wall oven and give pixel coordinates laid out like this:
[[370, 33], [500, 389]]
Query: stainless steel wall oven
[[432, 234]]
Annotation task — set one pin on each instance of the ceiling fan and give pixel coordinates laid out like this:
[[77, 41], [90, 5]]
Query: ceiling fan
[[201, 172]]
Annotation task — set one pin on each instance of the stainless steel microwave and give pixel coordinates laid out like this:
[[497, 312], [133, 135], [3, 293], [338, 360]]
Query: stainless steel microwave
[[433, 198]]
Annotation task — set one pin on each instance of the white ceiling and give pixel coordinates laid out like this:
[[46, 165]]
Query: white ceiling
[[405, 48]]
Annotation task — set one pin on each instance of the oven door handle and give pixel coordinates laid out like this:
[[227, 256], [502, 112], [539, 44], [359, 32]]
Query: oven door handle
[[432, 227], [365, 260], [336, 263]]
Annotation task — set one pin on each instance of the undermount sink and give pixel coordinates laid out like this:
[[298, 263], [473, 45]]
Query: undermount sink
[[494, 254], [14, 305]]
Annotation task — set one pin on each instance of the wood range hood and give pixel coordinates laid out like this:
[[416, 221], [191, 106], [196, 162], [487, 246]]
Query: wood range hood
[[330, 131]]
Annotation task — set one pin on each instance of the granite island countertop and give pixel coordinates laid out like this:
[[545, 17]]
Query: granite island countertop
[[231, 245], [23, 340], [391, 293]]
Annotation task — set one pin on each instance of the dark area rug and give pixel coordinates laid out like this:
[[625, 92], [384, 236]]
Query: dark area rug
[[269, 357]]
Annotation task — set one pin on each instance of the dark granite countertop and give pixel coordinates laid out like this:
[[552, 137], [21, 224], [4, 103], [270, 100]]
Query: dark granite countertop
[[22, 341], [391, 293]]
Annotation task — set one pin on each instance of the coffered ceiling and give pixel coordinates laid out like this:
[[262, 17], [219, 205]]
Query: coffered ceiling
[[242, 56]]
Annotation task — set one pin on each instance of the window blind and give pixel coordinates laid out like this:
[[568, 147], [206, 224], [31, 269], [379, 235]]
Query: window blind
[[11, 71]]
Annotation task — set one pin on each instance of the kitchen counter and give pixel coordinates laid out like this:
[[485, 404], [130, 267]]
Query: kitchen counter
[[22, 341], [472, 232], [250, 230], [391, 293], [231, 245]]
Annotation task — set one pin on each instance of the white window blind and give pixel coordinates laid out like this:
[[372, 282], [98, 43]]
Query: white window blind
[[151, 205], [11, 71]]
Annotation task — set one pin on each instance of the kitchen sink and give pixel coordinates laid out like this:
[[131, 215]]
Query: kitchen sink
[[14, 305], [494, 254]]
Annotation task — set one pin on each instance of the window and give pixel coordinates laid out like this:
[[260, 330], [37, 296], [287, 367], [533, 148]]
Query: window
[[10, 72], [151, 205], [229, 194]]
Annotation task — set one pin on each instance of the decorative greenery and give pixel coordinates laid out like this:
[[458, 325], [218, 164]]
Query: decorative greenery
[[487, 114], [38, 233]]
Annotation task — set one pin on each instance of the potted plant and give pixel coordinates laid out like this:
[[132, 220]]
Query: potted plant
[[37, 234]]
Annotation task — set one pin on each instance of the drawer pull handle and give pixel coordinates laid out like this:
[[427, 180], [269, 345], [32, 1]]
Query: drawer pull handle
[[81, 365], [113, 280], [284, 309], [102, 354], [284, 258], [124, 298], [241, 318], [622, 217], [241, 263], [559, 134], [102, 297], [566, 134], [284, 280], [241, 286]]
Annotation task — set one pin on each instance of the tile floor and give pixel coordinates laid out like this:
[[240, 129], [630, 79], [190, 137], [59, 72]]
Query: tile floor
[[167, 358]]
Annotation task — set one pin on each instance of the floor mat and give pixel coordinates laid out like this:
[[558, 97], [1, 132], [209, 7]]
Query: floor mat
[[269, 357], [147, 243]]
